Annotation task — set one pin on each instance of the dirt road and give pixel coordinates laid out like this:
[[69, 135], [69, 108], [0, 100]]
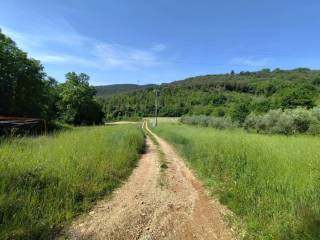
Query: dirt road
[[156, 203]]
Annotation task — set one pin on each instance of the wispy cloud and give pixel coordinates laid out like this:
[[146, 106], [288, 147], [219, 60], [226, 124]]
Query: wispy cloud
[[64, 59], [124, 57], [251, 61], [69, 47], [159, 47]]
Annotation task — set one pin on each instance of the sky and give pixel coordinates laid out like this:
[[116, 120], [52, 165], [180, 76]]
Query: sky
[[157, 41]]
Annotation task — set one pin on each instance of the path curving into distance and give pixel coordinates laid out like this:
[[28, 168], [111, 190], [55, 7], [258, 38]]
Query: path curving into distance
[[156, 203]]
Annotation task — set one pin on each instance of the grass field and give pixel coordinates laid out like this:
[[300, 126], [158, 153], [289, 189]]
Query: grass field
[[151, 120], [271, 182], [47, 181]]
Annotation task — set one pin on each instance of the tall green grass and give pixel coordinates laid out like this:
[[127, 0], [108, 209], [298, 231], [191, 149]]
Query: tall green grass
[[272, 182], [46, 181]]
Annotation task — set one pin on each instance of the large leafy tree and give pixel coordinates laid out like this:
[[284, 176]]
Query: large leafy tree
[[77, 104], [51, 97], [22, 82]]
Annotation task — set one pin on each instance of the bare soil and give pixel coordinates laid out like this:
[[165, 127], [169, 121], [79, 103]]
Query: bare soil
[[156, 203]]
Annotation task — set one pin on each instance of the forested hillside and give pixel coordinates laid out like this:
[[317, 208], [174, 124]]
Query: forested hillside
[[233, 95], [109, 90]]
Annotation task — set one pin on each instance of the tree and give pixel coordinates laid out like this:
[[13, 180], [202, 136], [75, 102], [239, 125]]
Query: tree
[[22, 82], [51, 97], [77, 104], [239, 112], [316, 81], [299, 96]]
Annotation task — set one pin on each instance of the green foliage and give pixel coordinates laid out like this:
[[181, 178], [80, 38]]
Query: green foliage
[[23, 87], [109, 90], [300, 96], [239, 112], [208, 121], [290, 121], [77, 104], [271, 182], [47, 181], [278, 121], [51, 97], [26, 91], [316, 81], [232, 95]]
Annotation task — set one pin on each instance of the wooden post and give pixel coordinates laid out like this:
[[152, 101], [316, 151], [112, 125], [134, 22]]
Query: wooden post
[[45, 127]]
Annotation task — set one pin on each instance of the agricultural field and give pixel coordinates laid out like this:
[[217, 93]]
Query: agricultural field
[[270, 182], [152, 120], [197, 121], [47, 181]]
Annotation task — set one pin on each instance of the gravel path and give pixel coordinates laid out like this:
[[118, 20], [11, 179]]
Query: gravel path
[[156, 204]]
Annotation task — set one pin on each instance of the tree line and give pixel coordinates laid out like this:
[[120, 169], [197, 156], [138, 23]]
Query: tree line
[[224, 95], [27, 91]]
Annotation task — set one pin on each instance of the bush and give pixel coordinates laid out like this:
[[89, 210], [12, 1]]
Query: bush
[[316, 113], [209, 121], [291, 121], [278, 121], [314, 128], [301, 118], [251, 121], [284, 125]]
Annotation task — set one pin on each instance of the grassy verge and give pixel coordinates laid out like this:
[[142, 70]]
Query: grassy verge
[[272, 182], [46, 181]]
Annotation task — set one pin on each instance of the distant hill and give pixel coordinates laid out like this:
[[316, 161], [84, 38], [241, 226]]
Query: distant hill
[[233, 95], [106, 91]]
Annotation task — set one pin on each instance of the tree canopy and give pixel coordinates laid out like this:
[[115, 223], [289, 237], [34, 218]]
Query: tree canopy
[[22, 82], [77, 104], [26, 91], [233, 95]]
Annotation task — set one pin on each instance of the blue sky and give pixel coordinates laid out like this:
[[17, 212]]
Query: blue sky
[[155, 41]]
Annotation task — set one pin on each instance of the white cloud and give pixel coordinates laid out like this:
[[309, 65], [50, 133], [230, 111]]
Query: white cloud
[[124, 57], [30, 41], [68, 47], [251, 61], [159, 47], [64, 59]]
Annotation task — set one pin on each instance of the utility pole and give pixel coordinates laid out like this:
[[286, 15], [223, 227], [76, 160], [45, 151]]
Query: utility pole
[[157, 93]]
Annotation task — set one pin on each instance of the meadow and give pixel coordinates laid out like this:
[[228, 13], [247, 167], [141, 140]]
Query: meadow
[[47, 181], [271, 182]]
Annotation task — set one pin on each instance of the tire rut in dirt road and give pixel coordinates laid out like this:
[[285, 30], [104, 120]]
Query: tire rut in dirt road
[[155, 204], [206, 218]]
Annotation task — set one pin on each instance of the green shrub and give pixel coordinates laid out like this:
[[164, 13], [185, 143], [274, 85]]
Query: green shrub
[[302, 119], [284, 125], [250, 122], [314, 128], [290, 121], [209, 121], [316, 113]]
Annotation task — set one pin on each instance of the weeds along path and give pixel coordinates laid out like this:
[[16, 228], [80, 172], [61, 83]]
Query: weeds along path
[[161, 200]]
